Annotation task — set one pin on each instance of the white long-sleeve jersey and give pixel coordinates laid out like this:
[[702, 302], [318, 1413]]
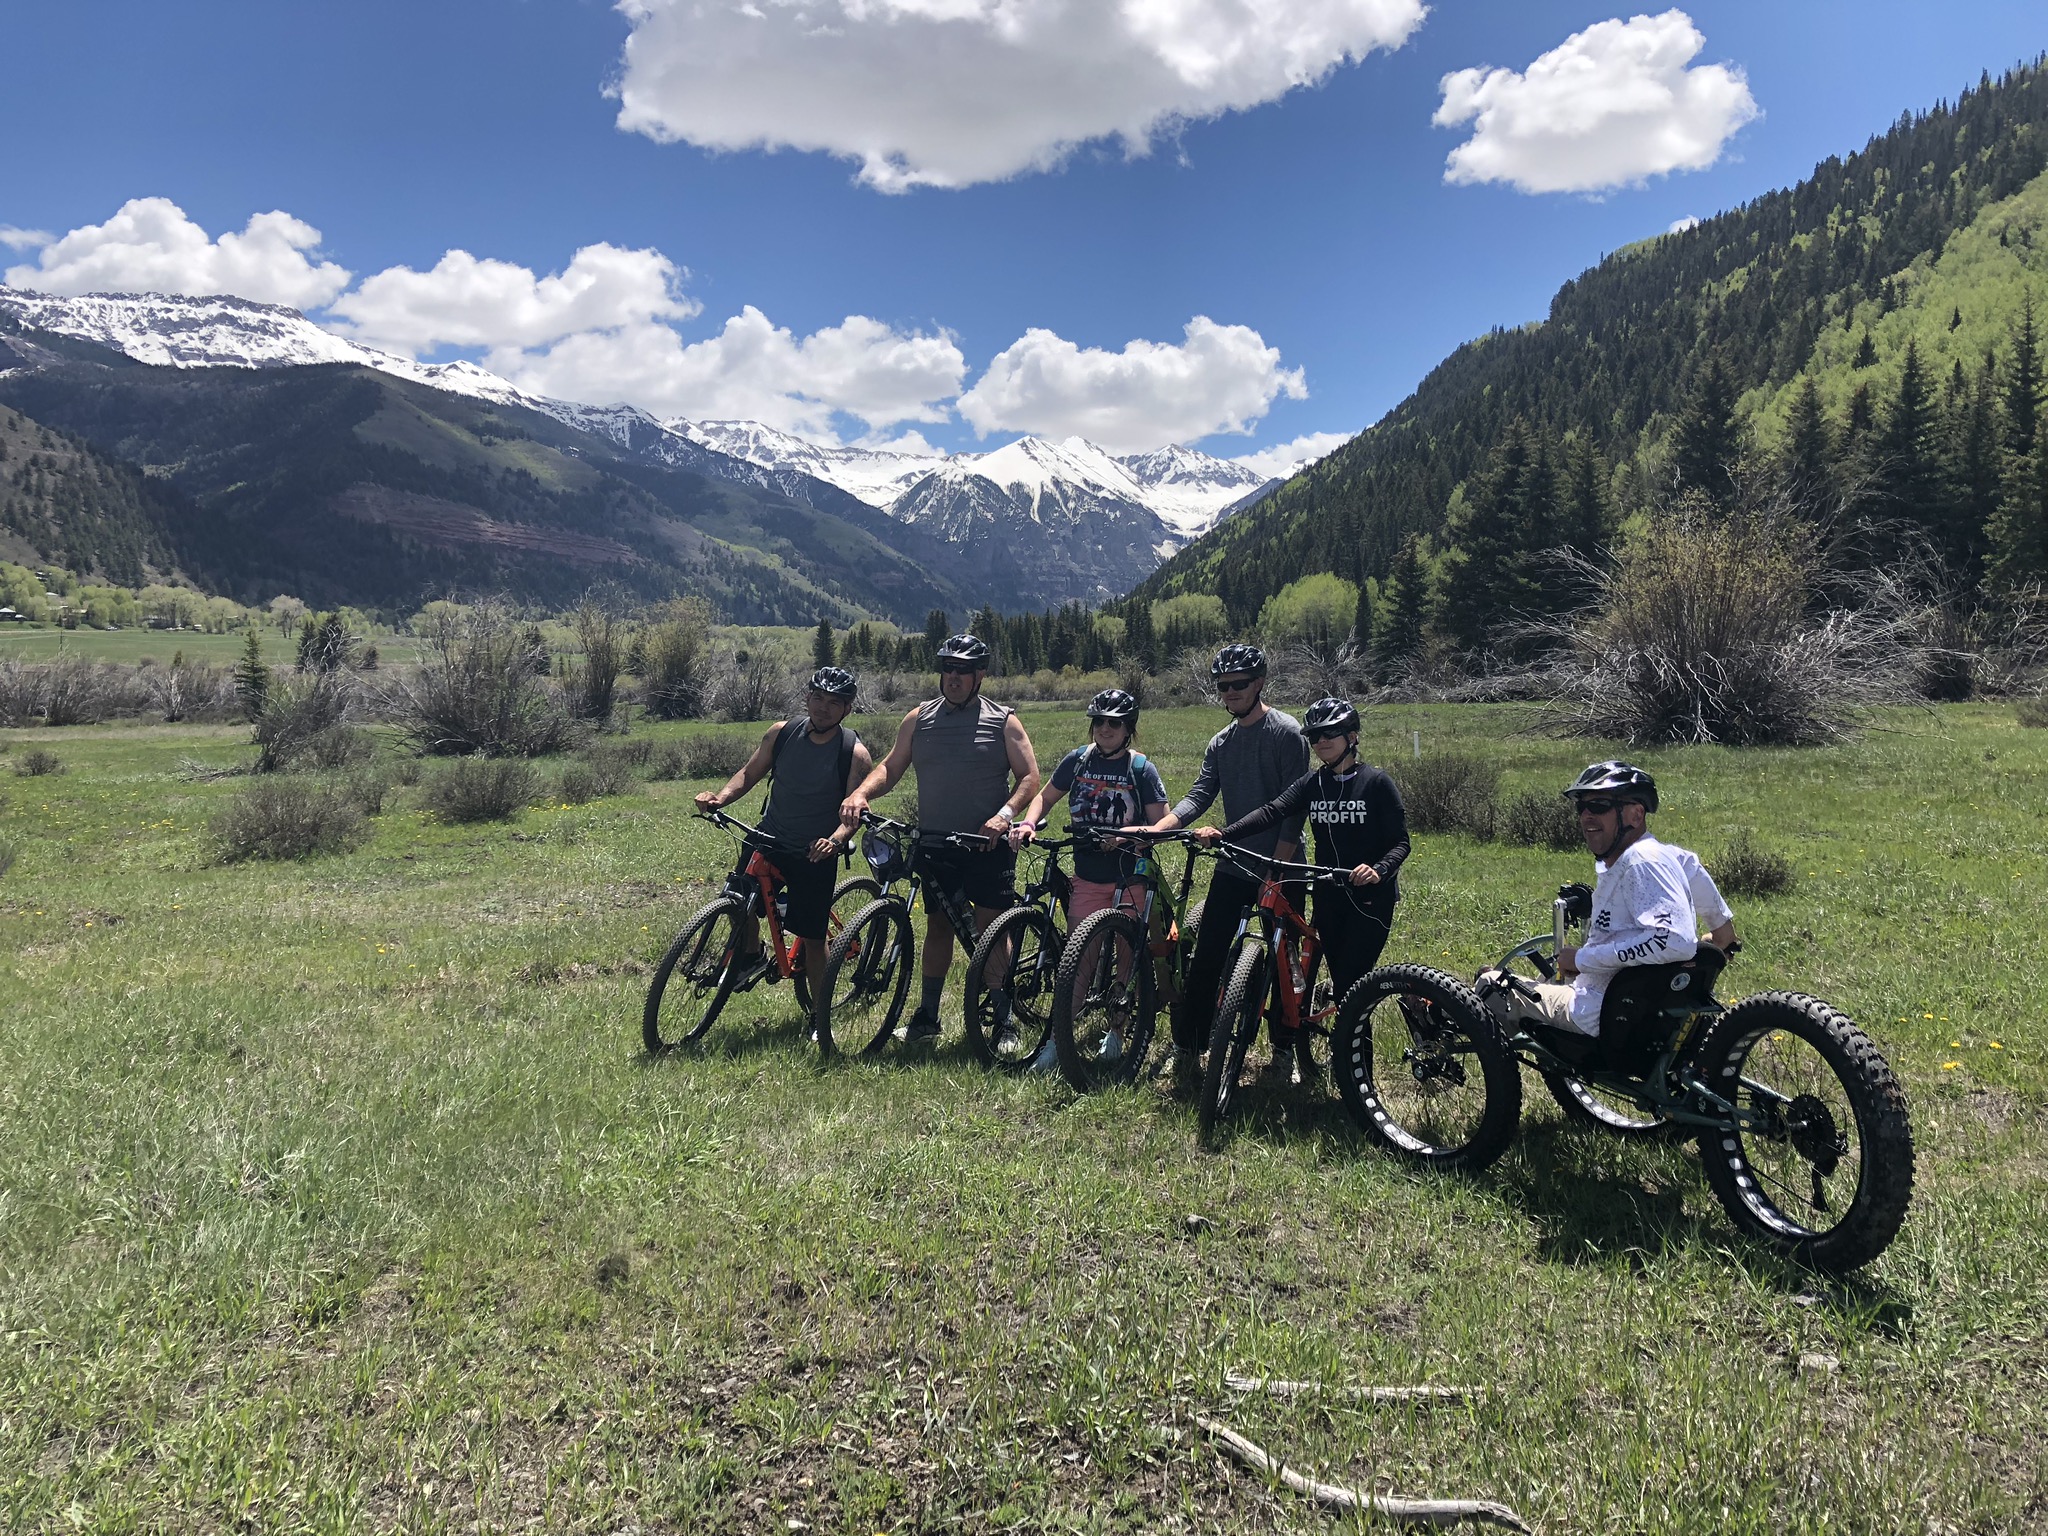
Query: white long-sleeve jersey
[[1642, 915], [1708, 904]]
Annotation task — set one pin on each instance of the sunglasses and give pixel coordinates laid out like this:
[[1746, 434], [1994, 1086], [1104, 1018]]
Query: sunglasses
[[958, 669], [1597, 807], [1234, 684], [1315, 736]]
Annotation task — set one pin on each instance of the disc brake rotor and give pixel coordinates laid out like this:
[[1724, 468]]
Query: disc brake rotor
[[1815, 1136]]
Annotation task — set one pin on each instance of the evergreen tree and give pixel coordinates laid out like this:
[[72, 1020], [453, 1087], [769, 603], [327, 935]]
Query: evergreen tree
[[1866, 353], [989, 627], [1586, 520], [1406, 594], [1806, 460], [937, 630], [1861, 417], [1972, 469], [823, 652], [252, 678], [1140, 643], [1907, 480], [1489, 580], [1707, 445], [2018, 536], [2023, 385]]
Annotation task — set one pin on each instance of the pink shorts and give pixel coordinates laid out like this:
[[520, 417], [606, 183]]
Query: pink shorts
[[1089, 897]]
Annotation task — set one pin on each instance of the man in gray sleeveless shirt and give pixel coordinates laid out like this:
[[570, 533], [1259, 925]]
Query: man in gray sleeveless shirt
[[967, 750], [813, 766]]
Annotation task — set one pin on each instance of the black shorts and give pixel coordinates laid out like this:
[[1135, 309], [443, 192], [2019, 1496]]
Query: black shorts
[[809, 887], [979, 879]]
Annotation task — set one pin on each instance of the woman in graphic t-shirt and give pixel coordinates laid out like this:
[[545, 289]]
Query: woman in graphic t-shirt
[[1107, 785]]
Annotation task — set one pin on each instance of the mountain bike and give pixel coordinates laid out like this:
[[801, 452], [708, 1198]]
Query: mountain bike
[[1118, 964], [1010, 974], [1271, 973], [702, 969], [868, 967], [1803, 1130]]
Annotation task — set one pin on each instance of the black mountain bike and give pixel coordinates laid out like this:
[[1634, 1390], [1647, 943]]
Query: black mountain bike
[[703, 968], [1010, 975]]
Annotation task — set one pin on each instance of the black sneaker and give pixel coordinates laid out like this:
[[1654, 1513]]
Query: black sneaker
[[922, 1029]]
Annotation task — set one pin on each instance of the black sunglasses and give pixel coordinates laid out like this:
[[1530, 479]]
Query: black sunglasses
[[958, 668], [1234, 684], [1597, 807], [1329, 735]]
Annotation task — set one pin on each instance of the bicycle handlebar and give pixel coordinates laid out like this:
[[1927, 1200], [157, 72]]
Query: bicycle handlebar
[[1265, 867], [977, 842], [718, 816]]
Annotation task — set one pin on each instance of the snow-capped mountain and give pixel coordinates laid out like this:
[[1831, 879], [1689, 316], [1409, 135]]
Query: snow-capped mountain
[[1190, 490], [876, 476]]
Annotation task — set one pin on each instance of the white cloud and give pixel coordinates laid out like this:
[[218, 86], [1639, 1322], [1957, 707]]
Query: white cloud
[[1610, 106], [1221, 379], [150, 246], [16, 238], [753, 370], [1283, 459], [466, 302], [951, 92], [1680, 226]]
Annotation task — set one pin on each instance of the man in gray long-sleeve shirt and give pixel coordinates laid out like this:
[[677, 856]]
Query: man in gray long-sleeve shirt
[[1249, 761]]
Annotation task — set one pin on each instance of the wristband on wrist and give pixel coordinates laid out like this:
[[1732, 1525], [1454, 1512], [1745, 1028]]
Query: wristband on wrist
[[1006, 813]]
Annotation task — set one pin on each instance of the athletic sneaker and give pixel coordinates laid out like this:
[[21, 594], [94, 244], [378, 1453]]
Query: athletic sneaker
[[1185, 1068], [922, 1029], [1112, 1050], [1046, 1061], [1004, 1041]]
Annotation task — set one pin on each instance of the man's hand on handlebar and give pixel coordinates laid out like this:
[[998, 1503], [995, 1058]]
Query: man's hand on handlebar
[[825, 848], [852, 808], [1206, 837], [1568, 960], [707, 800], [1365, 874]]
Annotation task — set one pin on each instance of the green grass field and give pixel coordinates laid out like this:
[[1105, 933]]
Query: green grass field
[[337, 1196], [36, 642]]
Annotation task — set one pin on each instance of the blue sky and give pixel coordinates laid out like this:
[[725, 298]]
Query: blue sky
[[1315, 223]]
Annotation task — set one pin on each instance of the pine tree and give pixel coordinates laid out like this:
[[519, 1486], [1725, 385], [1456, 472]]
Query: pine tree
[[1406, 594], [1972, 469], [1866, 353], [1707, 445], [1489, 581], [2018, 536], [989, 627], [1140, 643], [823, 652], [1586, 510], [252, 678], [1908, 482], [937, 630], [1806, 460], [2022, 398]]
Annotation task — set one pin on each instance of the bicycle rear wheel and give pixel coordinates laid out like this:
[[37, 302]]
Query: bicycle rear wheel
[[1237, 1025], [1421, 1066], [849, 899], [867, 978], [1104, 1002], [1010, 988], [694, 978]]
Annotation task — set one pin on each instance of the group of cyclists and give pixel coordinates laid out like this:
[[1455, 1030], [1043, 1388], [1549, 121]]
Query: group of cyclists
[[981, 798]]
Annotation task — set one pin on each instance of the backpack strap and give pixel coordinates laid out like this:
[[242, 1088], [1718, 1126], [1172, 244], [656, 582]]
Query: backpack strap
[[783, 738], [849, 738]]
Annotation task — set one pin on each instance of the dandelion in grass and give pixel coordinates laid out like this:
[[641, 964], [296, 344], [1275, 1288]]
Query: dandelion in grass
[[1950, 1066], [1996, 1046]]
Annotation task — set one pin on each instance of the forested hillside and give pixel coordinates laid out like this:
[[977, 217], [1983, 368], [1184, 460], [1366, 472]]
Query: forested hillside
[[1869, 330]]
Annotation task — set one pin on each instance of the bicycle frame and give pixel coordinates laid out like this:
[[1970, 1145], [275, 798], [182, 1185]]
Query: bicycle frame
[[1169, 956], [760, 900], [1286, 936]]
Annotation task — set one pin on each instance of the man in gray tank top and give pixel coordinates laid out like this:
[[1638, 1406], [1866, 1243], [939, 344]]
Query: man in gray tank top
[[975, 772], [812, 766]]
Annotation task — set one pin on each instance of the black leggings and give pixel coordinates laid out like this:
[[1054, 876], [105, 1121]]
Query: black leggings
[[1353, 927]]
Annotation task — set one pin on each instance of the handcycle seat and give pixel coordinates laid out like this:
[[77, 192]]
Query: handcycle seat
[[1646, 1004]]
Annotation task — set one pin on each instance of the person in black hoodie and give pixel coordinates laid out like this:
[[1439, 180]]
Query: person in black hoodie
[[1360, 825]]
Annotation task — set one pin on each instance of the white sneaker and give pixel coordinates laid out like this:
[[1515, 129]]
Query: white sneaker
[[1112, 1048]]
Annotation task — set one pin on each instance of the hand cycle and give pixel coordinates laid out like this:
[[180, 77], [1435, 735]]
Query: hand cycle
[[1271, 973], [702, 968], [867, 969], [1802, 1127], [1118, 964], [1010, 975]]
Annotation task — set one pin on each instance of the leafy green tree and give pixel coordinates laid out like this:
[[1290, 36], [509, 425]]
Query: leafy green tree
[[1317, 608]]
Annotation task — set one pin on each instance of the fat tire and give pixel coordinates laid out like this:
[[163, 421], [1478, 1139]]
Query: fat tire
[[877, 947], [1190, 927], [694, 934], [1230, 1038], [1083, 1074], [1352, 1066], [853, 885], [1884, 1130], [1575, 1099], [1020, 925]]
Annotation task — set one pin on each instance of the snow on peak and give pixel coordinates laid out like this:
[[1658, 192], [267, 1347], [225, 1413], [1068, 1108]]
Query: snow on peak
[[176, 332]]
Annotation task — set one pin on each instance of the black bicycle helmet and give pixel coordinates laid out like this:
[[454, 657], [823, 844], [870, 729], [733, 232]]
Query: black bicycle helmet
[[965, 648], [1233, 659], [836, 681], [1113, 704], [1327, 715], [1616, 780]]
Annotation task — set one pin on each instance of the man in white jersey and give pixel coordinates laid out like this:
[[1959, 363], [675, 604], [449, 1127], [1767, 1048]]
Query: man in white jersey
[[1642, 911]]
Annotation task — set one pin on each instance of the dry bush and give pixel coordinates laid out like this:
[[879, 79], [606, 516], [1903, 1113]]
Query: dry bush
[[479, 689], [480, 789], [1450, 792], [2032, 712], [1306, 670], [676, 681], [753, 685], [304, 720], [635, 753], [709, 757], [592, 683], [1534, 819], [36, 762], [287, 818], [1704, 630], [600, 774], [366, 789], [1747, 870], [190, 691]]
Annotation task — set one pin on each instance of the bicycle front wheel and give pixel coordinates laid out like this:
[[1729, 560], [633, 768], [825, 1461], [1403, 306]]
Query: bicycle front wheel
[[1237, 1025], [1104, 1002], [1010, 988], [867, 978], [694, 978], [1421, 1066], [849, 899]]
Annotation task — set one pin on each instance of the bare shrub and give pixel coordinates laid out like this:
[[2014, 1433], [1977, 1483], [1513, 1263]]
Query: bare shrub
[[753, 685], [75, 691], [600, 774], [2033, 712], [1534, 819], [592, 681], [286, 818], [1747, 870], [479, 689], [304, 720], [890, 687], [1307, 670], [1451, 792], [480, 789], [184, 691], [676, 682], [634, 754], [20, 692], [1703, 631], [36, 762], [718, 756]]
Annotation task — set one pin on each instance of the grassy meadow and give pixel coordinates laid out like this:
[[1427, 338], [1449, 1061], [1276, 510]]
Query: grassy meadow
[[337, 1196]]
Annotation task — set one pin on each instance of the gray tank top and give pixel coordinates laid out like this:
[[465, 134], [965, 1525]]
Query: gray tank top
[[804, 804], [963, 766]]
